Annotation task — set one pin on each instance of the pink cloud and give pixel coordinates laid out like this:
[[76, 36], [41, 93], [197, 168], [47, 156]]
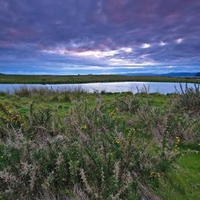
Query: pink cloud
[[21, 33]]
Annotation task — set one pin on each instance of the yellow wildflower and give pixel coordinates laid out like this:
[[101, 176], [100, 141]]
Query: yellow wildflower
[[83, 127], [117, 141]]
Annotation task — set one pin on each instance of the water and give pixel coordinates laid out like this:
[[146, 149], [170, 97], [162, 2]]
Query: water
[[112, 87]]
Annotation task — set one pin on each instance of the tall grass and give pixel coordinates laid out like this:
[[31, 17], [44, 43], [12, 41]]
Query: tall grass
[[90, 152], [190, 97], [28, 91]]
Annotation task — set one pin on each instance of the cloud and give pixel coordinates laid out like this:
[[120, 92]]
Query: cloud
[[145, 46], [104, 33], [179, 40], [162, 43]]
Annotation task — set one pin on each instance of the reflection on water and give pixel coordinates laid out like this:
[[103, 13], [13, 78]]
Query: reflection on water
[[112, 87]]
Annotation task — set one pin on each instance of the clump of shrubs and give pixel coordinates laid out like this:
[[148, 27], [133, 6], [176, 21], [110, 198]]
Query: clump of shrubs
[[90, 152]]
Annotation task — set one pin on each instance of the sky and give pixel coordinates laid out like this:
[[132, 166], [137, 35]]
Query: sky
[[99, 36]]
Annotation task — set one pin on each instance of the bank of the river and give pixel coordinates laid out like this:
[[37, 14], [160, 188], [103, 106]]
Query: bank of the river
[[52, 79]]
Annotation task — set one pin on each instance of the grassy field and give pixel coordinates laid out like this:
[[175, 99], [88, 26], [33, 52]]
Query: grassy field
[[74, 145], [46, 79]]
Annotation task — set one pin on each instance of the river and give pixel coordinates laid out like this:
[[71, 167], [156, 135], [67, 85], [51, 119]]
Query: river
[[134, 87]]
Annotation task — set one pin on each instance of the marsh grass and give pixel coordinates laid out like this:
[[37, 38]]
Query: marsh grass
[[91, 150], [190, 98], [48, 79], [38, 91]]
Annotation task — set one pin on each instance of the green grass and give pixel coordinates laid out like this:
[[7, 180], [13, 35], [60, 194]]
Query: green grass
[[98, 146], [183, 181], [51, 79]]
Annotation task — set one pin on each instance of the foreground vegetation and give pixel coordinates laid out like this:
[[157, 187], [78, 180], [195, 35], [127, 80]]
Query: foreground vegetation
[[47, 79], [74, 145]]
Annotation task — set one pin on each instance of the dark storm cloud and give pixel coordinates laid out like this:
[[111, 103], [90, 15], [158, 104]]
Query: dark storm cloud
[[101, 35]]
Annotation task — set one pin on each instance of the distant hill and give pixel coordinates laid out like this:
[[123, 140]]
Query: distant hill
[[173, 74], [181, 74]]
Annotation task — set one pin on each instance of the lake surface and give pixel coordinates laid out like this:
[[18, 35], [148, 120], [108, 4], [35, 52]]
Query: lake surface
[[112, 87]]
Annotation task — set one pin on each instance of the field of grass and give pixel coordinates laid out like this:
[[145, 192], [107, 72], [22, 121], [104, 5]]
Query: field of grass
[[79, 146], [47, 79]]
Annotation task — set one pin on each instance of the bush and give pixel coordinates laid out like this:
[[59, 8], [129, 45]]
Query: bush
[[189, 98], [89, 153], [128, 104]]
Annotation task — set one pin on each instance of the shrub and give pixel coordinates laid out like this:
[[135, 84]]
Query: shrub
[[128, 104], [88, 153], [189, 98]]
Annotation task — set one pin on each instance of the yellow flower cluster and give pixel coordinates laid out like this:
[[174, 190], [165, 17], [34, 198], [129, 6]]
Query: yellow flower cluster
[[117, 141], [9, 116], [83, 127], [155, 175], [176, 143], [12, 119]]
